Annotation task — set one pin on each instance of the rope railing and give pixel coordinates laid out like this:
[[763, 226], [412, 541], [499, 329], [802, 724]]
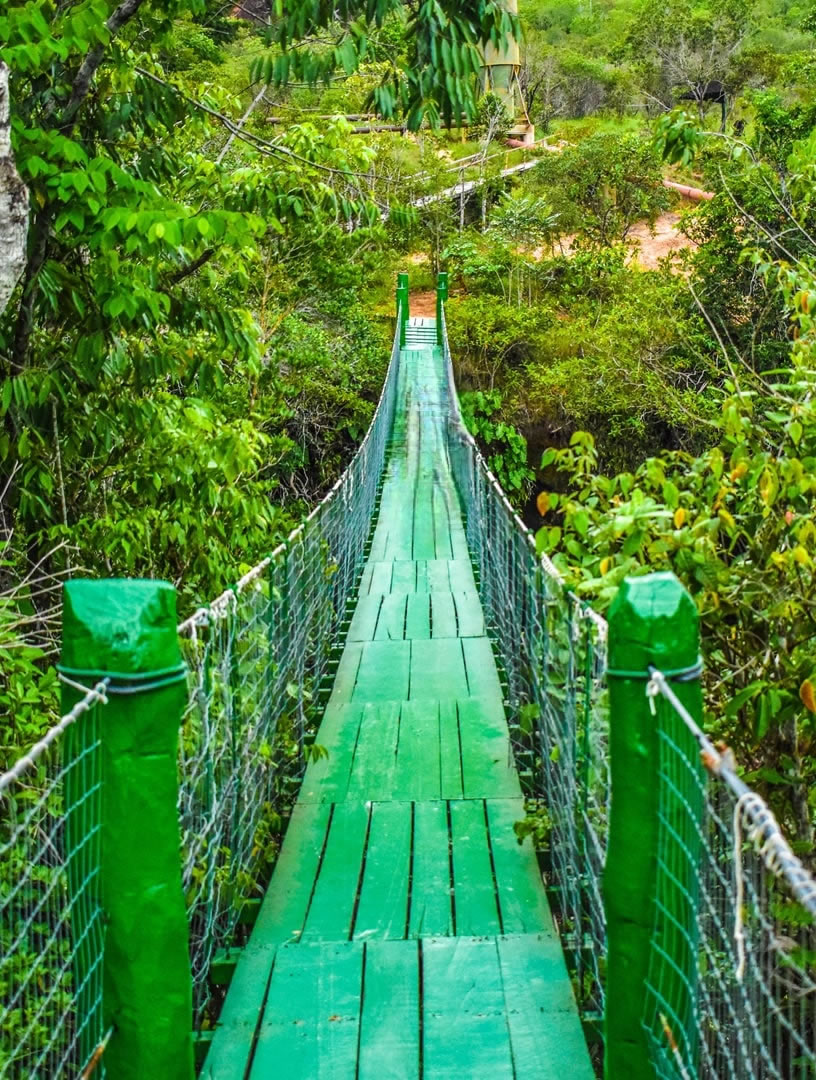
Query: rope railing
[[752, 937], [258, 656], [52, 933], [551, 650]]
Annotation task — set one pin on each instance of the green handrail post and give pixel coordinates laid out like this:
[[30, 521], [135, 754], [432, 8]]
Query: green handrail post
[[649, 887], [403, 306], [125, 631], [441, 297]]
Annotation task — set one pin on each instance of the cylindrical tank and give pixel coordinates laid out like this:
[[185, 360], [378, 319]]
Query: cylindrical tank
[[501, 67]]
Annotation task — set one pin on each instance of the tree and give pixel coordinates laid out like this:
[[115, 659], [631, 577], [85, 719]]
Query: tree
[[13, 203]]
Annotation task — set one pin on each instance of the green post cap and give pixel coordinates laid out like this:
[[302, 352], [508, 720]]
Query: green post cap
[[655, 622], [119, 626], [402, 281], [442, 285]]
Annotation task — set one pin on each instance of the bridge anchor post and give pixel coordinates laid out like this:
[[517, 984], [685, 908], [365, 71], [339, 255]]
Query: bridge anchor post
[[403, 311], [125, 631], [650, 882]]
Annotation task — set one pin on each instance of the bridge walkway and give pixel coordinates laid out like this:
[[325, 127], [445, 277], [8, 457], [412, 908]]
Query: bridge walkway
[[405, 933]]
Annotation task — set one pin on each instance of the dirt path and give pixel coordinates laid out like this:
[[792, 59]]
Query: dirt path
[[423, 304]]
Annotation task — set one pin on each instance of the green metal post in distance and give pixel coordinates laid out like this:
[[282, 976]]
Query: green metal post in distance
[[126, 631], [441, 297], [650, 892], [403, 305]]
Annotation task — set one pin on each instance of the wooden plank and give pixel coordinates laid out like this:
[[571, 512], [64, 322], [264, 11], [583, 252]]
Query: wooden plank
[[327, 778], [311, 1022], [404, 576], [483, 678], [391, 625], [384, 671], [418, 618], [240, 1017], [438, 579], [417, 770], [474, 888], [383, 907], [450, 751], [545, 1032], [442, 523], [465, 1033], [421, 576], [443, 616], [460, 576], [523, 902], [469, 614], [346, 677], [487, 761], [389, 1032], [366, 614], [437, 669], [335, 891], [378, 577], [430, 912], [424, 544], [375, 759]]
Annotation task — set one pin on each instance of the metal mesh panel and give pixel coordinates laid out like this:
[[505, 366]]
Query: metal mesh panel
[[551, 651], [257, 656], [51, 922], [732, 985]]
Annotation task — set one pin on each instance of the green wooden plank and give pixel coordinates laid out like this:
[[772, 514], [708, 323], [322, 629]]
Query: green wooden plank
[[240, 1017], [424, 542], [450, 751], [346, 677], [389, 1030], [443, 616], [487, 761], [523, 902], [430, 912], [545, 1032], [438, 578], [404, 576], [383, 908], [460, 575], [418, 621], [375, 759], [417, 770], [311, 1023], [377, 575], [327, 778], [421, 576], [465, 1033], [483, 678], [442, 522], [438, 669], [391, 624], [474, 888], [384, 671], [469, 614], [335, 892], [366, 615]]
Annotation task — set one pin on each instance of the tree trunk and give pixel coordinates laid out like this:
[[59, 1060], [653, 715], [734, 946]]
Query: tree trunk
[[13, 204]]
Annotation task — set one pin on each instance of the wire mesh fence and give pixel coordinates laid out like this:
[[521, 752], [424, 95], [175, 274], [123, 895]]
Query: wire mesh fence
[[257, 657], [551, 650], [51, 918], [732, 983]]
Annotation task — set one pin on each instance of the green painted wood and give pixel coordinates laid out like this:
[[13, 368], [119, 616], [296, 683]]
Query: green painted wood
[[487, 758], [418, 617], [465, 1033], [327, 778], [443, 616], [417, 770], [438, 576], [460, 575], [382, 911], [524, 906], [404, 577], [331, 911], [311, 1022], [474, 888], [430, 913], [391, 624], [377, 577], [469, 614], [545, 1033], [438, 669], [450, 751], [384, 671], [234, 1037], [483, 678], [375, 759], [389, 1031], [421, 576], [366, 616], [424, 542], [346, 677], [442, 500]]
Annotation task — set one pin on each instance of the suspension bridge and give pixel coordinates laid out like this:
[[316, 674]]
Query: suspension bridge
[[389, 692]]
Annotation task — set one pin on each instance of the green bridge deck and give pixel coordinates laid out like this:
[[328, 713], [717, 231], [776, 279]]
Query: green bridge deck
[[405, 933]]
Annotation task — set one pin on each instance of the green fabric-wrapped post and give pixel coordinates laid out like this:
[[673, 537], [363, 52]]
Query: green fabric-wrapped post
[[403, 306], [441, 297], [126, 631], [650, 883]]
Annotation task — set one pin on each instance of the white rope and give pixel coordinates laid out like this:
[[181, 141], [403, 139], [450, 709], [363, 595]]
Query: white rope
[[92, 696]]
